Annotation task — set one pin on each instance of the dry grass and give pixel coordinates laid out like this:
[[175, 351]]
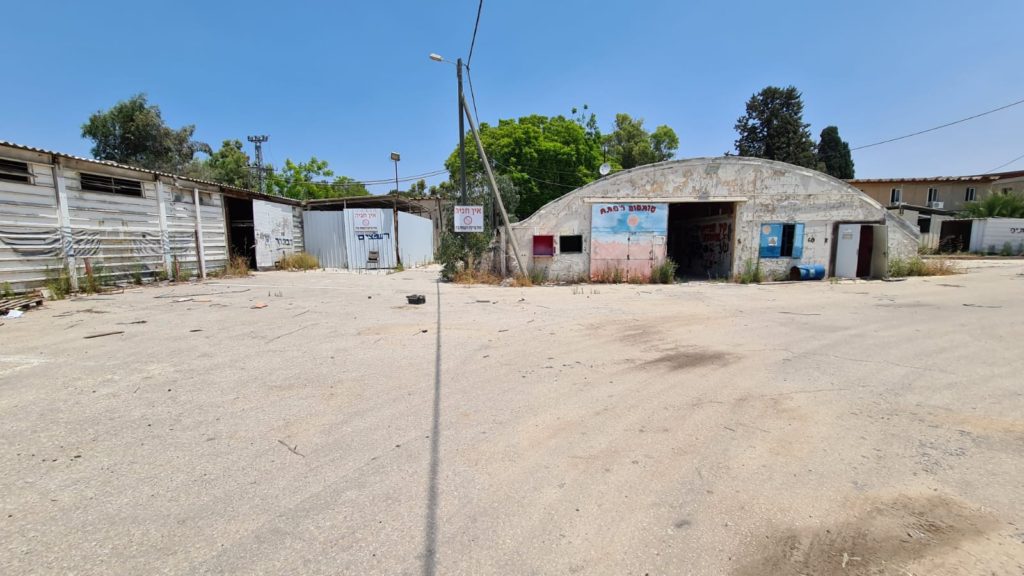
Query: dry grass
[[238, 266], [475, 277], [918, 266], [298, 261]]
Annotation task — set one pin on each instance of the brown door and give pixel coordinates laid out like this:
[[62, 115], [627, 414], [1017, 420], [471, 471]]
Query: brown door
[[864, 251]]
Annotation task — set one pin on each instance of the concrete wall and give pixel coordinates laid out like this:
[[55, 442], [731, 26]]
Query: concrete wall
[[763, 192]]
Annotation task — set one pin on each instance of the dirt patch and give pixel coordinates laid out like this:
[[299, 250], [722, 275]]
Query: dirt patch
[[930, 534], [691, 357]]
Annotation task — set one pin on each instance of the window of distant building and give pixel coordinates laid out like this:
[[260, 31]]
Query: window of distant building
[[933, 195], [971, 195], [895, 196]]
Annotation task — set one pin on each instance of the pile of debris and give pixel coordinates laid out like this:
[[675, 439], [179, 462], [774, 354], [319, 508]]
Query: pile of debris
[[15, 306]]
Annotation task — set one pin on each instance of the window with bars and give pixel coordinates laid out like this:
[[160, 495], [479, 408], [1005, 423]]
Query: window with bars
[[110, 185], [14, 171]]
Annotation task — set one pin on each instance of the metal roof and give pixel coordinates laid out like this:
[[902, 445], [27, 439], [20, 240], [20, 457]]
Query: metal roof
[[244, 191], [969, 178]]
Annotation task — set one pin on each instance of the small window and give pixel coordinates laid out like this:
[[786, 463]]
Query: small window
[[933, 195], [924, 223], [12, 171], [543, 245], [786, 243], [1006, 191], [570, 244], [895, 196], [111, 185], [971, 195]]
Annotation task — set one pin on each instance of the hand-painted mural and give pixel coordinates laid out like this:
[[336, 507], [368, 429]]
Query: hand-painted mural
[[627, 240]]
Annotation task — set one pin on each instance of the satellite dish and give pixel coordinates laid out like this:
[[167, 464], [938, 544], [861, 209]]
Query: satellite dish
[[605, 169]]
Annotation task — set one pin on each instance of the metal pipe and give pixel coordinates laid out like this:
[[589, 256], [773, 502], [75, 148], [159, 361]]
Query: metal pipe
[[494, 187]]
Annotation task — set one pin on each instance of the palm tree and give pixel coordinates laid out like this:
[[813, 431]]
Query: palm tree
[[996, 206]]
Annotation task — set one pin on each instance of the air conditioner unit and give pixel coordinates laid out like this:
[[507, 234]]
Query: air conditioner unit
[[937, 205]]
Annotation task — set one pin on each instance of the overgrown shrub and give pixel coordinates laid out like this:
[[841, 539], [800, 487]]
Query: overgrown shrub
[[664, 273], [136, 274], [475, 277], [613, 275], [95, 278], [751, 273], [6, 291], [298, 261], [462, 251], [1007, 249], [917, 266]]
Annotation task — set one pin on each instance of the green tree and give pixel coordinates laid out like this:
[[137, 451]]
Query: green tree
[[230, 165], [465, 250], [773, 128], [996, 205], [630, 145], [133, 132], [311, 180], [834, 154], [543, 157]]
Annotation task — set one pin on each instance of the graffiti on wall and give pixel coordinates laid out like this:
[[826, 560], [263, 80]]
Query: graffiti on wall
[[273, 230], [715, 246]]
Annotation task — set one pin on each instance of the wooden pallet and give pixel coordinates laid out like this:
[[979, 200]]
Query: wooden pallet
[[23, 301]]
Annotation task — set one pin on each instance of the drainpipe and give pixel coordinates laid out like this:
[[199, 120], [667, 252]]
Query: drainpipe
[[200, 251]]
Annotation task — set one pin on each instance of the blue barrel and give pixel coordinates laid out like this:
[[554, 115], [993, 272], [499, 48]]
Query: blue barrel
[[807, 272]]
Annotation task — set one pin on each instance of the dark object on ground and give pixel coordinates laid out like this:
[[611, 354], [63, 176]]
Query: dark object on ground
[[101, 334], [416, 299]]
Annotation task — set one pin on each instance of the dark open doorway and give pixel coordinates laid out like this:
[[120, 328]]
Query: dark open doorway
[[865, 251], [700, 238], [241, 229]]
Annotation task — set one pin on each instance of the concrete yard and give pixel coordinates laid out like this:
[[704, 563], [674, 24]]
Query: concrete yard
[[814, 428]]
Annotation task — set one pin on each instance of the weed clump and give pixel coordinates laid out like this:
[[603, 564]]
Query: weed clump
[[917, 266], [751, 273], [298, 261]]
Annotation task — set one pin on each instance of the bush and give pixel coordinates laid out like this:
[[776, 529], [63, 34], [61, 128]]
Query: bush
[[95, 278], [609, 276], [751, 274], [917, 266], [1007, 249], [298, 261], [664, 273], [6, 290]]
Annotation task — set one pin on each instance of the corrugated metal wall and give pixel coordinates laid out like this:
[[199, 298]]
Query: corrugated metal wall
[[415, 239], [359, 244], [30, 244], [119, 234], [325, 237]]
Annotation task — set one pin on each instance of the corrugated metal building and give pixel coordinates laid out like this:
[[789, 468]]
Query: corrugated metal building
[[60, 212]]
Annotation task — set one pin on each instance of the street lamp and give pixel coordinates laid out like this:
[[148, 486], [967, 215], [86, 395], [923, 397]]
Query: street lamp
[[396, 157], [462, 129]]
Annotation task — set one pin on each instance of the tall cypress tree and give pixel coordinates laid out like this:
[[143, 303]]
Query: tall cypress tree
[[834, 154], [774, 128]]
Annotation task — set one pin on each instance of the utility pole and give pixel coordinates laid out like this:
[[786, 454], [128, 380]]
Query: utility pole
[[494, 187], [462, 137], [258, 142]]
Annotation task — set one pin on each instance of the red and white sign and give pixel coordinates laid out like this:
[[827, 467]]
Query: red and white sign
[[366, 221], [469, 218]]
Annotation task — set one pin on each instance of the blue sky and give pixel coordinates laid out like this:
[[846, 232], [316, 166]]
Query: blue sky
[[350, 81]]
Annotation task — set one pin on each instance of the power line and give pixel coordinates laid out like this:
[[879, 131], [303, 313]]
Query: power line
[[350, 183], [479, 9], [572, 186], [939, 127], [1005, 165], [472, 95]]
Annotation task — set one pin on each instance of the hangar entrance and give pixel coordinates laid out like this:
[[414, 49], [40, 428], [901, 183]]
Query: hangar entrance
[[241, 229], [700, 239]]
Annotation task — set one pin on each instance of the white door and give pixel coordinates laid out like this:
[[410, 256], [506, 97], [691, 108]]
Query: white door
[[847, 244], [880, 252]]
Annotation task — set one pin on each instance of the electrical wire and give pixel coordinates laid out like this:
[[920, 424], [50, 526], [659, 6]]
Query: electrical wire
[[571, 186], [472, 95], [479, 9], [939, 127], [351, 183], [1005, 165]]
